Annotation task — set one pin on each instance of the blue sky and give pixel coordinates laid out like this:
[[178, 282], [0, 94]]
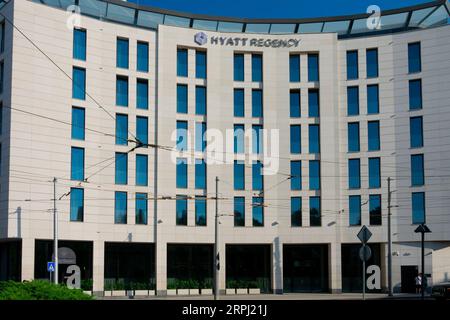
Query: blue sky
[[276, 8]]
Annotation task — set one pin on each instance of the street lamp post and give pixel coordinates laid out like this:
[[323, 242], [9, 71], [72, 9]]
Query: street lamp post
[[422, 229]]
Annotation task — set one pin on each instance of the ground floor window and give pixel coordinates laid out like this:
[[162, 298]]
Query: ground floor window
[[10, 260]]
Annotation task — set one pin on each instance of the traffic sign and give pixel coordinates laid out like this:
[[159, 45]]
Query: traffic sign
[[50, 266], [364, 234], [365, 253]]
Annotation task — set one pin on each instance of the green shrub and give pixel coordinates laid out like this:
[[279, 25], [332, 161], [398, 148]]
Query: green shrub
[[39, 290]]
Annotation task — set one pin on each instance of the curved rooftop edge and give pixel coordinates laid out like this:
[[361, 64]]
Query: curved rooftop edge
[[427, 15]]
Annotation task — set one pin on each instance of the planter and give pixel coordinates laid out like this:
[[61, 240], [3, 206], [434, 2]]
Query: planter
[[151, 292], [107, 293], [241, 291], [171, 292], [183, 292], [88, 292], [141, 293], [118, 293], [230, 291], [254, 291], [194, 292], [206, 292]]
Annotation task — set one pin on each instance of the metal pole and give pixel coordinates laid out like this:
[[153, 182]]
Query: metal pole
[[364, 272], [55, 233], [216, 245], [389, 241], [423, 266]]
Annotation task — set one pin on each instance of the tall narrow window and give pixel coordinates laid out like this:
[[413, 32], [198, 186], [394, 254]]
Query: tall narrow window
[[182, 135], [313, 103], [1, 121], [294, 68], [352, 101], [142, 94], [416, 132], [314, 175], [239, 211], [239, 138], [121, 129], [76, 204], [296, 211], [373, 128], [200, 211], [257, 68], [79, 44], [141, 170], [77, 160], [257, 103], [372, 63], [415, 94], [314, 138], [200, 136], [418, 207], [353, 137], [374, 173], [2, 77], [182, 98], [2, 37], [78, 123], [142, 56], [257, 176], [238, 102], [296, 139], [414, 57], [313, 67], [78, 82], [296, 175], [121, 168], [373, 100], [257, 131], [141, 208], [120, 207], [375, 218], [122, 91], [294, 104], [417, 170], [238, 67], [354, 205], [352, 65], [258, 211], [182, 62], [200, 64], [122, 53], [315, 215], [182, 175], [200, 100], [239, 175], [354, 174], [200, 174], [181, 207], [142, 129]]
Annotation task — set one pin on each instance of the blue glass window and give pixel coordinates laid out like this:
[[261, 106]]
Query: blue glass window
[[78, 83], [296, 175], [238, 67], [120, 208], [375, 218], [181, 207], [182, 135], [77, 161], [352, 65], [239, 138], [353, 137], [200, 211], [1, 119], [200, 100], [78, 123], [258, 211], [294, 68], [121, 168], [354, 174], [238, 102], [374, 173], [373, 128], [417, 170], [296, 211], [200, 64], [295, 104], [352, 101], [142, 56], [182, 62], [315, 219], [182, 175], [373, 101], [2, 77], [182, 98], [142, 129], [200, 174], [122, 91], [122, 53], [76, 204], [141, 208], [200, 136], [2, 37], [313, 103], [79, 44], [257, 103], [414, 57], [415, 94], [416, 132], [257, 176], [141, 170], [314, 175], [257, 68], [142, 94], [314, 138], [121, 129], [296, 139], [239, 175], [239, 211], [257, 131], [418, 207], [372, 63], [313, 67], [354, 204]]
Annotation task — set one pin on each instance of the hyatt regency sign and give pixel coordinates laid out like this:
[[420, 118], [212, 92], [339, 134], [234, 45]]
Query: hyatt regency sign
[[201, 38]]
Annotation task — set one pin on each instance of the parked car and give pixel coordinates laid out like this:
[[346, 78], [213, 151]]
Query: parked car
[[441, 291]]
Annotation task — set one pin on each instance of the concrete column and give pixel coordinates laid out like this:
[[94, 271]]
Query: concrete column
[[277, 263], [28, 248], [98, 271], [335, 271], [161, 268]]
